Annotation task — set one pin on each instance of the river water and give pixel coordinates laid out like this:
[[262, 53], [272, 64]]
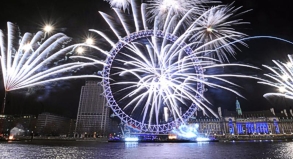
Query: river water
[[104, 150]]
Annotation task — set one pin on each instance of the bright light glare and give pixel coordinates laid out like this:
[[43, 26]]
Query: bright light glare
[[186, 131], [131, 139], [170, 4], [121, 4], [89, 41], [282, 89], [285, 77], [26, 47], [48, 28], [289, 64], [166, 113], [202, 139], [164, 83], [209, 29], [10, 137], [80, 50], [190, 135], [172, 137]]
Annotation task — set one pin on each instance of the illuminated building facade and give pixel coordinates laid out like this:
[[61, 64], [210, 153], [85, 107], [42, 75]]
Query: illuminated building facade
[[207, 123], [286, 121], [244, 123], [93, 114], [250, 123]]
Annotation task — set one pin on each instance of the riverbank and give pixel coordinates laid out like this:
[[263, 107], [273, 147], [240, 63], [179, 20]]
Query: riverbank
[[134, 150], [256, 138], [244, 138], [27, 138]]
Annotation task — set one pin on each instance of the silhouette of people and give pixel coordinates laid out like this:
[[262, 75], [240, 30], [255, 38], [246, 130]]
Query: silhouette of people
[[32, 135]]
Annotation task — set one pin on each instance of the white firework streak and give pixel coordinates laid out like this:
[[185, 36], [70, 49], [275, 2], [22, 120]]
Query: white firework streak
[[153, 68], [120, 4], [281, 78], [163, 8], [216, 23], [24, 60]]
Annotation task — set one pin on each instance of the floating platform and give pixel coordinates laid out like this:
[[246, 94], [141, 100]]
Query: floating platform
[[164, 141]]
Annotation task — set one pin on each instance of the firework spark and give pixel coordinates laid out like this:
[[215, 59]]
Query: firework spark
[[162, 8], [215, 23], [281, 78], [120, 4], [202, 25]]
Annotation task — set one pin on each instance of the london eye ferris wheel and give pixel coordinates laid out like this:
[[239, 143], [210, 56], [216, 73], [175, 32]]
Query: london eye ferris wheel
[[154, 78]]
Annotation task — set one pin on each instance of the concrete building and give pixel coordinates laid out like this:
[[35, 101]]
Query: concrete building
[[93, 114], [71, 127], [51, 124]]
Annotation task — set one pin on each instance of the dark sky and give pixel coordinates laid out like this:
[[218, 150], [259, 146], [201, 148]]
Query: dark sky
[[74, 18]]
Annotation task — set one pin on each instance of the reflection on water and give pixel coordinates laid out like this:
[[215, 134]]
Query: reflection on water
[[131, 144], [129, 150]]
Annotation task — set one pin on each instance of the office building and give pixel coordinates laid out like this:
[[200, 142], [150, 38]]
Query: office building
[[93, 113]]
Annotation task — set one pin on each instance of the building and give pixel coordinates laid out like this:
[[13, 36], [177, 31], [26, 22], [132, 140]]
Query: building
[[250, 123], [6, 124], [51, 124], [208, 124], [285, 121], [240, 122], [71, 127], [27, 123], [93, 114], [24, 124]]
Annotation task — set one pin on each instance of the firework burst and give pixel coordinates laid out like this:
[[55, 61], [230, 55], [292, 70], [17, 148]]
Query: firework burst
[[26, 62], [161, 8], [155, 76], [201, 25], [120, 4], [281, 78], [215, 23]]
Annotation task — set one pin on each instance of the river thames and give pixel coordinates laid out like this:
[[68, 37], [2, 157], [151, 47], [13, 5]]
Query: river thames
[[132, 150]]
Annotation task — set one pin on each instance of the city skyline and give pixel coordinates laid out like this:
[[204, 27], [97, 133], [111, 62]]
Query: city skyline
[[166, 79], [52, 101]]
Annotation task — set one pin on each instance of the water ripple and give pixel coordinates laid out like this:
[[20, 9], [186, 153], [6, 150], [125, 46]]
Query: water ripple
[[134, 150]]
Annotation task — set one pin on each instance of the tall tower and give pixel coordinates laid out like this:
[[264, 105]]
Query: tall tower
[[238, 108], [93, 114]]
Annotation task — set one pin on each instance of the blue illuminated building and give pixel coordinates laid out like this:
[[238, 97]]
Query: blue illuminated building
[[240, 122], [251, 123]]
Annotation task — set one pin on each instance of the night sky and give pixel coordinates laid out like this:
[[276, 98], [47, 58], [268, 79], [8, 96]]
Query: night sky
[[74, 18]]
